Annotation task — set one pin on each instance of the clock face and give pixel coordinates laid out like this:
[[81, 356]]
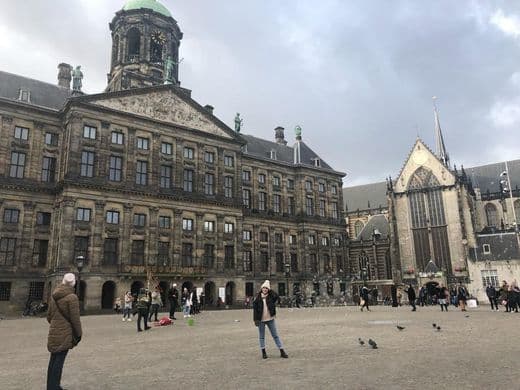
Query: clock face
[[158, 37], [420, 157]]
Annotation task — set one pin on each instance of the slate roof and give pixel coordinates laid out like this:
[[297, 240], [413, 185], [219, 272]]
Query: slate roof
[[486, 177], [41, 94], [503, 246], [259, 147], [357, 197], [378, 222]]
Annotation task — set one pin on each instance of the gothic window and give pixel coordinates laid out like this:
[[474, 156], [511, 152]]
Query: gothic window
[[134, 45], [358, 227], [491, 214], [364, 267], [156, 46]]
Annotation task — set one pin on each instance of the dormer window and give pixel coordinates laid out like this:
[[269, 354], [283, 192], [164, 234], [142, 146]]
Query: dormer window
[[25, 95], [273, 154], [317, 162]]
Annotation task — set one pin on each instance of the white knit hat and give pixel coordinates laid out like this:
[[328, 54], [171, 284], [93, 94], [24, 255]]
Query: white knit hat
[[267, 284], [69, 279]]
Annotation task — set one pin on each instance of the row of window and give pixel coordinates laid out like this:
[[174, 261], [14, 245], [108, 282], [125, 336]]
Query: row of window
[[276, 181], [18, 162], [22, 134], [8, 252], [12, 215]]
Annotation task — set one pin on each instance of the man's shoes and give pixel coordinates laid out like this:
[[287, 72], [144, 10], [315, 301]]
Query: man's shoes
[[147, 327], [139, 330], [283, 354]]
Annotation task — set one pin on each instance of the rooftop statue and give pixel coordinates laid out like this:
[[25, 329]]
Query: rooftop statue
[[77, 76], [238, 122]]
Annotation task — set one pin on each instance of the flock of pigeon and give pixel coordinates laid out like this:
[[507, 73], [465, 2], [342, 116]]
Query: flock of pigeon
[[400, 328]]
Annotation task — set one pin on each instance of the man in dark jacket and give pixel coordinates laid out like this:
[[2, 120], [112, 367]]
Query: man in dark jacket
[[143, 306], [64, 330], [411, 297], [363, 293], [492, 296], [173, 298]]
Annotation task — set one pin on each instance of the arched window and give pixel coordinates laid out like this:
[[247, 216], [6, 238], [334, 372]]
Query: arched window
[[358, 226], [517, 211], [134, 44], [491, 214], [115, 50], [157, 41], [364, 266]]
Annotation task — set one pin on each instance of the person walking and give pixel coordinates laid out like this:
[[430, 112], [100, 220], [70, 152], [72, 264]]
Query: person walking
[[186, 302], [444, 296], [127, 309], [143, 305], [65, 328], [173, 298], [156, 304], [492, 296], [264, 312], [514, 297], [411, 297], [363, 293], [462, 296]]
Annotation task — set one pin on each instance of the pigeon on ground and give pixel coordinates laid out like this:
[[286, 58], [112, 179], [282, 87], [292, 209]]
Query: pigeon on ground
[[372, 343], [361, 342], [467, 316], [434, 325], [438, 328], [400, 327]]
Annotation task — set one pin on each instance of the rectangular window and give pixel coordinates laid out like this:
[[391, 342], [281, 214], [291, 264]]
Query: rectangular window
[[209, 226], [11, 215], [247, 259], [276, 181], [17, 167], [261, 178], [334, 189], [228, 187], [43, 219], [486, 249], [36, 290], [139, 220], [264, 237], [264, 261], [229, 257], [209, 157], [228, 227], [166, 148], [336, 241], [142, 143], [294, 262], [313, 263], [278, 238], [165, 176], [21, 133], [188, 180], [48, 169], [277, 200], [113, 217], [51, 139], [339, 264], [321, 187], [189, 153], [324, 241], [40, 250], [229, 161], [117, 138], [115, 168], [87, 164], [246, 235], [322, 208], [209, 180], [163, 253], [490, 277], [290, 205], [209, 255], [281, 289], [187, 255], [246, 176], [279, 261], [334, 210], [5, 291], [312, 239], [261, 201], [308, 185], [7, 251], [137, 255], [246, 198], [83, 214], [292, 239], [81, 247], [309, 206], [141, 173], [110, 251], [89, 132], [290, 184], [165, 222], [187, 224]]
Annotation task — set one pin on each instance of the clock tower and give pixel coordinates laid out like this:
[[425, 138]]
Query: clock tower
[[145, 42]]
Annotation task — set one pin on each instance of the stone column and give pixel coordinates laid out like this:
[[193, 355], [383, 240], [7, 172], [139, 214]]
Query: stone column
[[152, 236], [97, 237], [6, 129], [126, 243], [65, 234], [26, 242]]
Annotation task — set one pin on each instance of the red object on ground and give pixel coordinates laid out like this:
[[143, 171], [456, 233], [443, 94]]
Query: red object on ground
[[165, 321]]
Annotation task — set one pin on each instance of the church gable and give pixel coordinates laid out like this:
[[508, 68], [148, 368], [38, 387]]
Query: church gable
[[423, 169], [166, 106]]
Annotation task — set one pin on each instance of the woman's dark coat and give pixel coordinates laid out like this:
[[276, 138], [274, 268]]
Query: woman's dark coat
[[60, 330], [258, 305]]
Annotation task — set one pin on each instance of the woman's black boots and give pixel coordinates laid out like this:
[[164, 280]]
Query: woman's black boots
[[264, 355], [283, 354]]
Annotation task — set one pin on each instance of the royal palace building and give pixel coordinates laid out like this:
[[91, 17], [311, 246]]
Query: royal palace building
[[141, 183]]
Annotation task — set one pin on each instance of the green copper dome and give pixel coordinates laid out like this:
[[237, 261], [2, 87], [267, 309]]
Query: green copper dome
[[148, 4]]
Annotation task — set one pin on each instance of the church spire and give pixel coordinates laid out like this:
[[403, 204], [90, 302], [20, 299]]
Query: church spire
[[440, 148]]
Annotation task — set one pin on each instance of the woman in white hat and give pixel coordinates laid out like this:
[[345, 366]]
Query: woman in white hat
[[264, 312]]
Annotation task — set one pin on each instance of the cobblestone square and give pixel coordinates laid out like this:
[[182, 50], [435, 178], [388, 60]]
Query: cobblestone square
[[473, 350]]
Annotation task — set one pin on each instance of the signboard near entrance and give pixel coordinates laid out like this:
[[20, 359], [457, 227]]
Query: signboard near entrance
[[222, 293]]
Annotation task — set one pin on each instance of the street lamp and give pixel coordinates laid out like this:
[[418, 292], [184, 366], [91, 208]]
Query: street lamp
[[364, 275], [287, 274], [80, 260]]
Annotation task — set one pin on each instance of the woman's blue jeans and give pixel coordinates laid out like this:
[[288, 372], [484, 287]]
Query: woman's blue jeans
[[272, 328], [186, 310]]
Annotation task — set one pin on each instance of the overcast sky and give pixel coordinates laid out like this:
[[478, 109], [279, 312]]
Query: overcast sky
[[357, 76]]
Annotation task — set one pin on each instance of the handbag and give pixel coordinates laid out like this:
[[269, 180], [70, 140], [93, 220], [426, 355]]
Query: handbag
[[75, 338]]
